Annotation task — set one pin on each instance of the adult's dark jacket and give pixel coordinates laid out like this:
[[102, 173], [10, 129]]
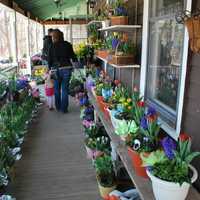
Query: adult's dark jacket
[[60, 54], [47, 42]]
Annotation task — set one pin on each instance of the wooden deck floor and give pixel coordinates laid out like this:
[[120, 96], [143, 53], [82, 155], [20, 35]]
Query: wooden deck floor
[[54, 164]]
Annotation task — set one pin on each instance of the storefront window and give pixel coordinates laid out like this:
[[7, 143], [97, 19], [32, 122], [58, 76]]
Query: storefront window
[[166, 39], [79, 33], [22, 40], [7, 54], [40, 36], [32, 37]]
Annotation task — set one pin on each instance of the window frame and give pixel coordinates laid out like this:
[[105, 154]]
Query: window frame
[[172, 131]]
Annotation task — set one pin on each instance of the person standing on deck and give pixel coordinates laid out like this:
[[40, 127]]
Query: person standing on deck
[[47, 42], [60, 57]]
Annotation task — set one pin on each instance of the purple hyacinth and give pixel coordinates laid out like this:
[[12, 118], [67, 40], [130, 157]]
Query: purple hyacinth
[[151, 111], [115, 42], [121, 11], [144, 123], [169, 145]]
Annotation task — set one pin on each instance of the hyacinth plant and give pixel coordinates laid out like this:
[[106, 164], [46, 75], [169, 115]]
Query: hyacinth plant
[[172, 162], [120, 8], [147, 139]]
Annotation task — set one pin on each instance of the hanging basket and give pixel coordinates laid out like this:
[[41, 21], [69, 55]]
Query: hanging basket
[[119, 20]]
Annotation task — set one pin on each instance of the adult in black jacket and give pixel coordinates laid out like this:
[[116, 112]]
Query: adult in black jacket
[[59, 58], [47, 42]]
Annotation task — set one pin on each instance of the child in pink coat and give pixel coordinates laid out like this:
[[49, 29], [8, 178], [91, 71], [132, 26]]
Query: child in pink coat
[[49, 91]]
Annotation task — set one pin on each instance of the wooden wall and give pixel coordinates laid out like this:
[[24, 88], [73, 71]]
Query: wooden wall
[[191, 113]]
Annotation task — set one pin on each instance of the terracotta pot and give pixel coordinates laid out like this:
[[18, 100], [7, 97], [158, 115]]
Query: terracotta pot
[[137, 163], [99, 99], [106, 113], [102, 53], [119, 20]]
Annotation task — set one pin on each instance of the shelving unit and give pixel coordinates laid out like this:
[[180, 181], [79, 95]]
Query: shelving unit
[[142, 185], [121, 28], [118, 66], [93, 22]]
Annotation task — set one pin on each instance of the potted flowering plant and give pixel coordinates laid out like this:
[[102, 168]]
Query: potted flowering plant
[[120, 13], [170, 170], [105, 175], [125, 129], [145, 142], [124, 53]]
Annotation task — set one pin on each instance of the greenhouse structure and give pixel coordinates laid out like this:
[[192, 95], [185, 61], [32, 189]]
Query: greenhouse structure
[[99, 99]]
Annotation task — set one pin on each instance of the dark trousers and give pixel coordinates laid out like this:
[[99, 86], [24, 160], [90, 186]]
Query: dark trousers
[[61, 87]]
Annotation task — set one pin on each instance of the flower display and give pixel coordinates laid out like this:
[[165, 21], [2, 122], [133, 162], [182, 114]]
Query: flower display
[[169, 146]]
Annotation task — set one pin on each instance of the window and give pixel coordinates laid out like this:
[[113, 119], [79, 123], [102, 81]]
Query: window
[[7, 49], [164, 67], [40, 36], [79, 33], [22, 40], [32, 31]]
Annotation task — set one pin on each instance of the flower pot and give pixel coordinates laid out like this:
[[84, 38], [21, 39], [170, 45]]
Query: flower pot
[[99, 99], [104, 191], [165, 190], [106, 113], [90, 152], [122, 59], [105, 23], [119, 20], [137, 163], [102, 54], [114, 120], [93, 154]]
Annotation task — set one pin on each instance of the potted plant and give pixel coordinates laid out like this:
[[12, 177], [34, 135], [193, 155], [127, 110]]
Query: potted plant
[[170, 170], [125, 129], [124, 54], [105, 175], [145, 142], [120, 13]]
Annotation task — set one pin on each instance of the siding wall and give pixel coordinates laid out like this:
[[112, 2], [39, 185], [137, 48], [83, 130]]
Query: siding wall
[[191, 113]]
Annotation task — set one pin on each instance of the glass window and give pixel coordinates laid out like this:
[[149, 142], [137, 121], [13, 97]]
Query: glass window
[[7, 49], [40, 36], [22, 40], [32, 37], [79, 33], [166, 39]]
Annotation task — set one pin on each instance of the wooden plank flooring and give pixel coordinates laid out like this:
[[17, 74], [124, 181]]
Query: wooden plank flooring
[[54, 164]]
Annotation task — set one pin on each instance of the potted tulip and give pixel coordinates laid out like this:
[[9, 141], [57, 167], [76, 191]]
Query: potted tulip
[[105, 175], [170, 170], [120, 13], [145, 142]]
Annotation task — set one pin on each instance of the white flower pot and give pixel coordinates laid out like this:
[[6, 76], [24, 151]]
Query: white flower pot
[[164, 190]]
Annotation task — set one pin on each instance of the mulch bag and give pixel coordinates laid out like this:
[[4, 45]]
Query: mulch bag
[[193, 26]]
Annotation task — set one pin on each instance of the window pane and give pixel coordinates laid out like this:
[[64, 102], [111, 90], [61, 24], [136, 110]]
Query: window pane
[[32, 37], [40, 37], [22, 40], [6, 37], [166, 39], [165, 56], [165, 7]]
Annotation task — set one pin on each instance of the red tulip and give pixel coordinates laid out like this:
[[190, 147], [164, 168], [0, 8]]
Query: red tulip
[[184, 137], [141, 103], [117, 82]]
